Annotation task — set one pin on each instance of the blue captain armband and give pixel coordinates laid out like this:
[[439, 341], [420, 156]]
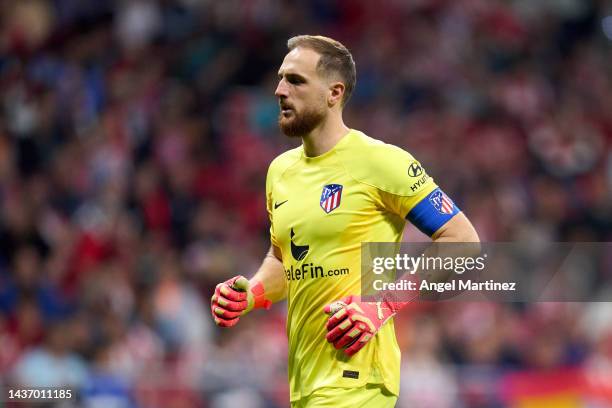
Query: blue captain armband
[[432, 212]]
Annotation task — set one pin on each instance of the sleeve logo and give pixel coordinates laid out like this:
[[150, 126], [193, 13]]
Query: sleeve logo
[[415, 169], [441, 202]]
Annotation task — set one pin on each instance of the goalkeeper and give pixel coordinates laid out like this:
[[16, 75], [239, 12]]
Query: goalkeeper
[[338, 189]]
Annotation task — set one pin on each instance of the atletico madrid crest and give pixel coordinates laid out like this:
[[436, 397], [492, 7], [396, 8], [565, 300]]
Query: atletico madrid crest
[[330, 197], [441, 202]]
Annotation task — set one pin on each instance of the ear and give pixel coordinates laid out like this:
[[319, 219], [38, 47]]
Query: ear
[[336, 93]]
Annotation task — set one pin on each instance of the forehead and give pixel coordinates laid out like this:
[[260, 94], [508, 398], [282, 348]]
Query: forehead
[[301, 61]]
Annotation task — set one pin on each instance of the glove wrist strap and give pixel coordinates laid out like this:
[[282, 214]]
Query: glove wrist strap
[[259, 298], [392, 303]]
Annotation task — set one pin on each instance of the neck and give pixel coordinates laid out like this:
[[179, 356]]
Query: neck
[[323, 138]]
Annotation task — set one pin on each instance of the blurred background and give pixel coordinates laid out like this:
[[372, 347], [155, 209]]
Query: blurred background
[[135, 137]]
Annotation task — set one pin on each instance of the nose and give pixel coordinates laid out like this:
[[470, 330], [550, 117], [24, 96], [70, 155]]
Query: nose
[[281, 89]]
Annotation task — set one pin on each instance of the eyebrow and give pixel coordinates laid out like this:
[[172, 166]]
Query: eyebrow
[[291, 75]]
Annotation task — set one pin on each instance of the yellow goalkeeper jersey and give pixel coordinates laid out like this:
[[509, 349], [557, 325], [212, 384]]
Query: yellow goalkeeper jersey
[[321, 210]]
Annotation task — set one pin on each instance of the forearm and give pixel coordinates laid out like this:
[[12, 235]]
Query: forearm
[[271, 274], [455, 239]]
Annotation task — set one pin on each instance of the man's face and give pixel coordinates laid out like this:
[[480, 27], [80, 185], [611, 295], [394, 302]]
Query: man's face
[[301, 93]]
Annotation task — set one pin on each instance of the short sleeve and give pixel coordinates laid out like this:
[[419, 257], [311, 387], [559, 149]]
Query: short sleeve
[[275, 171], [402, 201], [270, 203], [415, 196], [400, 183], [401, 179]]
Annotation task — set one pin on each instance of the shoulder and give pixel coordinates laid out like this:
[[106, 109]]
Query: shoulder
[[282, 162], [382, 165]]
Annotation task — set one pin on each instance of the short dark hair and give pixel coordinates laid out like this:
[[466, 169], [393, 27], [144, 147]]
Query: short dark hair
[[335, 59]]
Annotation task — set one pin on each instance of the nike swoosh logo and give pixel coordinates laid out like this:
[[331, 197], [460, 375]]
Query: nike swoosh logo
[[276, 205]]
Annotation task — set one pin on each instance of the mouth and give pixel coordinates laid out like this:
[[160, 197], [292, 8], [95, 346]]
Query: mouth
[[283, 104], [286, 111]]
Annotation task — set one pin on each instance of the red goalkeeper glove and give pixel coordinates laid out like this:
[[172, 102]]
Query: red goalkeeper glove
[[236, 297], [354, 322]]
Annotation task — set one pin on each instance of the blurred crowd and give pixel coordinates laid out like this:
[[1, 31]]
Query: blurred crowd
[[135, 137]]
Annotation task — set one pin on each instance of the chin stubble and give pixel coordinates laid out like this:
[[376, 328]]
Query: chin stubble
[[300, 124]]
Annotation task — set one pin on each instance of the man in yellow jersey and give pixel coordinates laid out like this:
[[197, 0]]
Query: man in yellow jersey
[[338, 189]]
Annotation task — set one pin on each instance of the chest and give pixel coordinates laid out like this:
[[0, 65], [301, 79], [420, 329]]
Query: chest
[[324, 205]]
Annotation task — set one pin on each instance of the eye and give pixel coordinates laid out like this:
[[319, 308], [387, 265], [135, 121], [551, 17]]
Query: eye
[[294, 80]]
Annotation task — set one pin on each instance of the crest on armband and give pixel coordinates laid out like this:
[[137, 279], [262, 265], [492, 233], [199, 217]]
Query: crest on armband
[[441, 202]]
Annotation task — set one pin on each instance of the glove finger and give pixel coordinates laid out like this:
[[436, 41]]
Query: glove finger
[[349, 337], [364, 320], [359, 344], [339, 330], [336, 318], [240, 283], [221, 322], [334, 307], [224, 313], [227, 304], [232, 294]]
